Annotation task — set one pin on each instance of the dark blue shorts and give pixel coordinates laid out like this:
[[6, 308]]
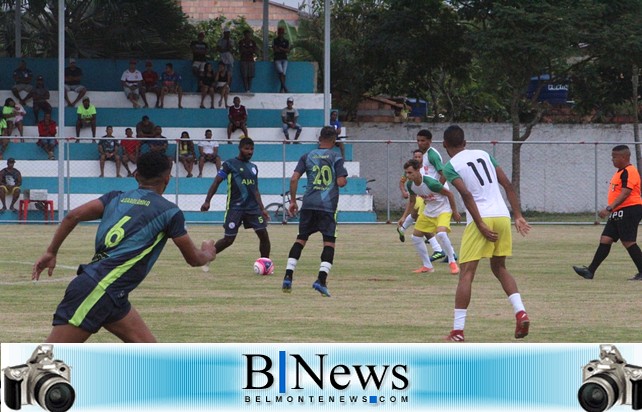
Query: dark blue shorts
[[312, 221], [234, 218], [88, 307]]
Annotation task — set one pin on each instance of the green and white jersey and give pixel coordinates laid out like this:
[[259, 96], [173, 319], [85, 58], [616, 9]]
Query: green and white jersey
[[433, 164], [428, 190], [477, 169]]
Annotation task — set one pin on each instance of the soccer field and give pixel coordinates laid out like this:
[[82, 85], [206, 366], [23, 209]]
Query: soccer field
[[375, 295]]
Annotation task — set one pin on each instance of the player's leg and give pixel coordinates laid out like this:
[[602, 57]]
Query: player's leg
[[131, 329], [67, 334], [264, 242], [326, 224], [628, 230], [423, 227], [443, 227], [609, 235], [305, 220]]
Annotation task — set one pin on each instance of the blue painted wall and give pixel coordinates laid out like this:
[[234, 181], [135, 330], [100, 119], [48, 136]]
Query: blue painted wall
[[104, 75]]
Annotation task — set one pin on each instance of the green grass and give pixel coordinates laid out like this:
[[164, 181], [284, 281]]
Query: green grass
[[375, 297]]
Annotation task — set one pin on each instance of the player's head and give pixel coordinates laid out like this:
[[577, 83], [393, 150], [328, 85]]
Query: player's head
[[413, 169], [454, 140], [328, 134], [424, 139], [418, 156], [246, 148], [621, 156], [153, 168]]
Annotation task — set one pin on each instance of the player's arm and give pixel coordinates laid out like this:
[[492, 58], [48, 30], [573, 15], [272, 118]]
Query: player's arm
[[471, 207], [89, 211], [210, 193], [453, 205], [521, 224], [193, 255], [294, 182], [402, 187]]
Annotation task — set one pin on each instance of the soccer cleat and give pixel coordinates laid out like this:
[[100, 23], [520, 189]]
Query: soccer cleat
[[323, 290], [455, 336], [583, 271], [637, 277], [402, 235], [445, 260], [287, 286], [424, 269], [454, 268], [437, 255], [521, 327]]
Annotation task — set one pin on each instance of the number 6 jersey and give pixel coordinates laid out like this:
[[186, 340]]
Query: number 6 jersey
[[477, 170]]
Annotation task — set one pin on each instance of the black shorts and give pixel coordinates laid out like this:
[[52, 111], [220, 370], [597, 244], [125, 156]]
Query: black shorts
[[623, 224], [312, 221], [234, 218], [88, 307]]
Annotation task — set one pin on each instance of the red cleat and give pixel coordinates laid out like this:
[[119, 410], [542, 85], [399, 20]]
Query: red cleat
[[522, 325], [455, 336]]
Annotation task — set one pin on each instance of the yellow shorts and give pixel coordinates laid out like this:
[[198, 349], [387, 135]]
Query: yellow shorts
[[475, 246], [419, 205], [430, 224], [6, 189]]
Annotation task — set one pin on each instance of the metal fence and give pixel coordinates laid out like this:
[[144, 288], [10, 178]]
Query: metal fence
[[556, 176]]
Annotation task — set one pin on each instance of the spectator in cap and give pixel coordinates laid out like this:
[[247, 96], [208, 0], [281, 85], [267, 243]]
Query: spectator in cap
[[281, 48], [131, 81], [290, 120], [10, 181], [40, 96], [86, 117], [150, 83], [199, 54], [22, 77], [73, 77]]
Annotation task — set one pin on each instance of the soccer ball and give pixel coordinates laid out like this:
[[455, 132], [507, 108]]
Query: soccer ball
[[263, 266]]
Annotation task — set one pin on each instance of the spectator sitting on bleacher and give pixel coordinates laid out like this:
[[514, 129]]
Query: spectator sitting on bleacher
[[199, 54], [18, 121], [150, 83], [160, 144], [73, 76], [186, 154], [108, 150], [23, 77], [225, 47], [10, 182], [170, 84], [237, 115], [40, 95], [131, 150], [6, 123], [209, 153], [145, 129], [86, 117], [47, 128], [131, 81], [223, 81], [207, 84], [290, 118], [336, 123]]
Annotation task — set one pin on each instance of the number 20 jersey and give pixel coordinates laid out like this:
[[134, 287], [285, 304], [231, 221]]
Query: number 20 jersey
[[477, 169], [322, 167]]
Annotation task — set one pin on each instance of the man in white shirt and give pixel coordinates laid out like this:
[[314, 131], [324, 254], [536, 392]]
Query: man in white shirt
[[131, 81], [208, 153]]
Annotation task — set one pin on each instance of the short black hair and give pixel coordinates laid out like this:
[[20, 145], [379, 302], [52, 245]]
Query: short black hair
[[246, 141], [425, 133], [328, 133], [412, 163], [454, 136], [621, 148], [417, 150], [152, 165]]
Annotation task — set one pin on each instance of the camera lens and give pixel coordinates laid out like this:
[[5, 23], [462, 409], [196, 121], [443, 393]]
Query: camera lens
[[54, 393], [598, 393]]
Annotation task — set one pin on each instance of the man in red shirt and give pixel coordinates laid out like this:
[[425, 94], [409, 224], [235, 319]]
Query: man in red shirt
[[47, 128], [237, 114], [624, 211], [150, 83]]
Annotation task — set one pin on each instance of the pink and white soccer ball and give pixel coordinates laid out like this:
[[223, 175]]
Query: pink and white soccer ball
[[263, 266]]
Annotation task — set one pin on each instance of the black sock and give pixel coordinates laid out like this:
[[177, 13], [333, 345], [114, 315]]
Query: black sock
[[600, 254], [636, 256]]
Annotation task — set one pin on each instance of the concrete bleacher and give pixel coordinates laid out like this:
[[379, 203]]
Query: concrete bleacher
[[264, 126]]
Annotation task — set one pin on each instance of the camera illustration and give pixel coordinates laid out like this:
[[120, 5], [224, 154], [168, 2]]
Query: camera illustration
[[43, 380], [610, 381]]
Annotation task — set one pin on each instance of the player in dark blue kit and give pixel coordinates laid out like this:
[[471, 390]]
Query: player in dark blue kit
[[326, 174], [244, 204], [134, 228]]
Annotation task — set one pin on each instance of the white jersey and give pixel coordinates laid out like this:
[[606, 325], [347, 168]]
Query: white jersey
[[434, 202], [432, 164], [477, 170]]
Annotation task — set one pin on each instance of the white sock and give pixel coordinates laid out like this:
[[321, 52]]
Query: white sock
[[406, 223], [516, 300], [325, 267], [291, 265], [443, 238], [460, 319], [422, 250], [434, 244]]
